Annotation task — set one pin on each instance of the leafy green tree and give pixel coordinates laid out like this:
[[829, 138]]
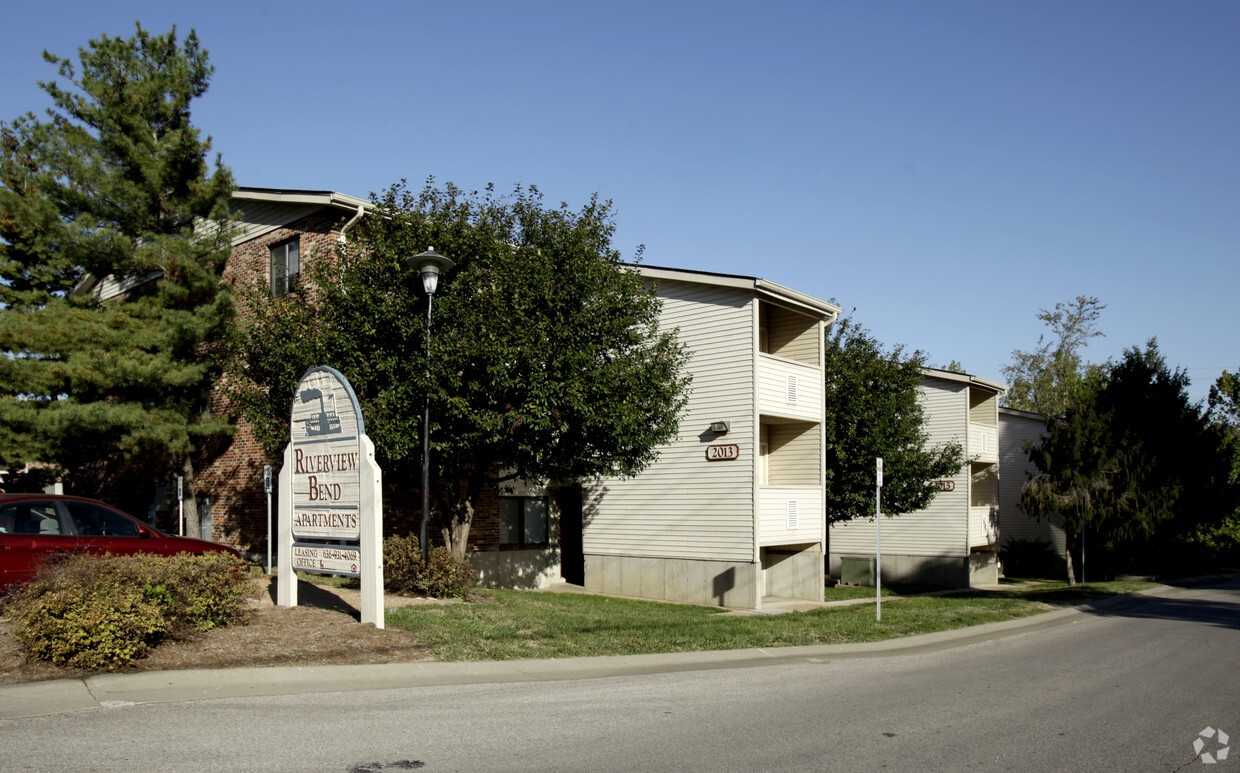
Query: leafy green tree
[[1044, 379], [112, 186], [546, 361], [1224, 399], [1221, 544], [873, 410], [1133, 466]]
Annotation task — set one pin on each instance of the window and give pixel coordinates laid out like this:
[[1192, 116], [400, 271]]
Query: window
[[523, 521], [29, 518], [94, 521], [285, 264]]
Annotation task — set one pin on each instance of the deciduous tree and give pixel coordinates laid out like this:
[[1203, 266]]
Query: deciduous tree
[[873, 410], [1043, 380], [546, 362], [113, 184], [1225, 399], [1133, 466]]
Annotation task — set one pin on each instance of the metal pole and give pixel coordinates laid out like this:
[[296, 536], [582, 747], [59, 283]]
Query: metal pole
[[267, 488], [878, 551], [426, 440], [878, 540]]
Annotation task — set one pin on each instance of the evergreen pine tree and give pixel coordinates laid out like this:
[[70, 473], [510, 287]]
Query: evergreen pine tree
[[113, 189]]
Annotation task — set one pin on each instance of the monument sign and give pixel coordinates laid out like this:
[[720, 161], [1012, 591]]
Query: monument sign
[[331, 508]]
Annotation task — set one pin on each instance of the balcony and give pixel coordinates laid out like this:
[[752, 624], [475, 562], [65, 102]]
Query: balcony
[[789, 515], [983, 526], [983, 443], [788, 389]]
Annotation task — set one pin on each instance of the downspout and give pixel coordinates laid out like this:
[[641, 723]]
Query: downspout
[[361, 210]]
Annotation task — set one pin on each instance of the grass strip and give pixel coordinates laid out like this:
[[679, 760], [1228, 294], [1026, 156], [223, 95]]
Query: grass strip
[[506, 625]]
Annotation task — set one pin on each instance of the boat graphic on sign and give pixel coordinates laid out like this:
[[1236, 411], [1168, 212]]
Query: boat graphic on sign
[[325, 422]]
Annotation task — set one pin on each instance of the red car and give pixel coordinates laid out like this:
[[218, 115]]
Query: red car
[[35, 526]]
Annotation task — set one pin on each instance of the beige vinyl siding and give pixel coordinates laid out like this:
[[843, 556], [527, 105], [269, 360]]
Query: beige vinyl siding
[[684, 506], [983, 424], [795, 454], [259, 217], [983, 407], [792, 335], [942, 529], [111, 286], [1014, 469]]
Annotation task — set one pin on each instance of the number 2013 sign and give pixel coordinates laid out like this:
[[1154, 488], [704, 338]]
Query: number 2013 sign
[[726, 452]]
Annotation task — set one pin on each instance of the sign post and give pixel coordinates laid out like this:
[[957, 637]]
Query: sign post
[[267, 488], [878, 541], [180, 505], [331, 502]]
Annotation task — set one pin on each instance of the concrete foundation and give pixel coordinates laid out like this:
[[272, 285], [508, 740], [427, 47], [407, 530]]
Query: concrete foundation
[[980, 568], [516, 569], [715, 583], [793, 572], [983, 568]]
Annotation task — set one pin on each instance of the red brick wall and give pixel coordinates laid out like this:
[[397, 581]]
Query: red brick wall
[[232, 475]]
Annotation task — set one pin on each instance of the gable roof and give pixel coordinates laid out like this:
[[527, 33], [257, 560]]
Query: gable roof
[[965, 378], [264, 210], [261, 211], [771, 291]]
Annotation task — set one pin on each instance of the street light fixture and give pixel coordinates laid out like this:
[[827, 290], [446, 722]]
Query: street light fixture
[[430, 265]]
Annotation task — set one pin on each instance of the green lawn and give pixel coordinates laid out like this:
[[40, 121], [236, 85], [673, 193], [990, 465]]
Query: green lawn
[[532, 624]]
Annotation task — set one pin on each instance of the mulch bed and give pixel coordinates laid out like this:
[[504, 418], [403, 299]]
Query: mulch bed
[[322, 630]]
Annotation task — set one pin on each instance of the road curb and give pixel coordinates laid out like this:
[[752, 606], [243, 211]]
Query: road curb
[[103, 691]]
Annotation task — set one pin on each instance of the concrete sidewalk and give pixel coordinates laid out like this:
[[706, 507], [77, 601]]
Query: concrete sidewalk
[[105, 691]]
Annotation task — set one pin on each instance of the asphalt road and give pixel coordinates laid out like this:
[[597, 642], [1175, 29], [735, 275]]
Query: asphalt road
[[1126, 688]]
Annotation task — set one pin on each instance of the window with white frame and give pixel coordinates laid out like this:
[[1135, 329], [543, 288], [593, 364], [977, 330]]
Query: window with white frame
[[523, 521], [285, 264]]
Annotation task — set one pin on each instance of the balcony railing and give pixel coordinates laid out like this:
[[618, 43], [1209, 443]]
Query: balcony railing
[[789, 515], [983, 443], [789, 389], [983, 526]]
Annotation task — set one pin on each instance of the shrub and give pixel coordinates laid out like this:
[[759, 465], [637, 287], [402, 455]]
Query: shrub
[[441, 577], [104, 627], [1208, 548], [104, 612], [199, 592]]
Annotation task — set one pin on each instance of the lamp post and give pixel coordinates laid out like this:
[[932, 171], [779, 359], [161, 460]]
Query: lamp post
[[430, 265]]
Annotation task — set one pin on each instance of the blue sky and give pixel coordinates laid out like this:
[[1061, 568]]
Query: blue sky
[[946, 168]]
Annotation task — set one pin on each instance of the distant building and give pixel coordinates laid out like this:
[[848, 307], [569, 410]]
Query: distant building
[[1028, 546], [954, 542]]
